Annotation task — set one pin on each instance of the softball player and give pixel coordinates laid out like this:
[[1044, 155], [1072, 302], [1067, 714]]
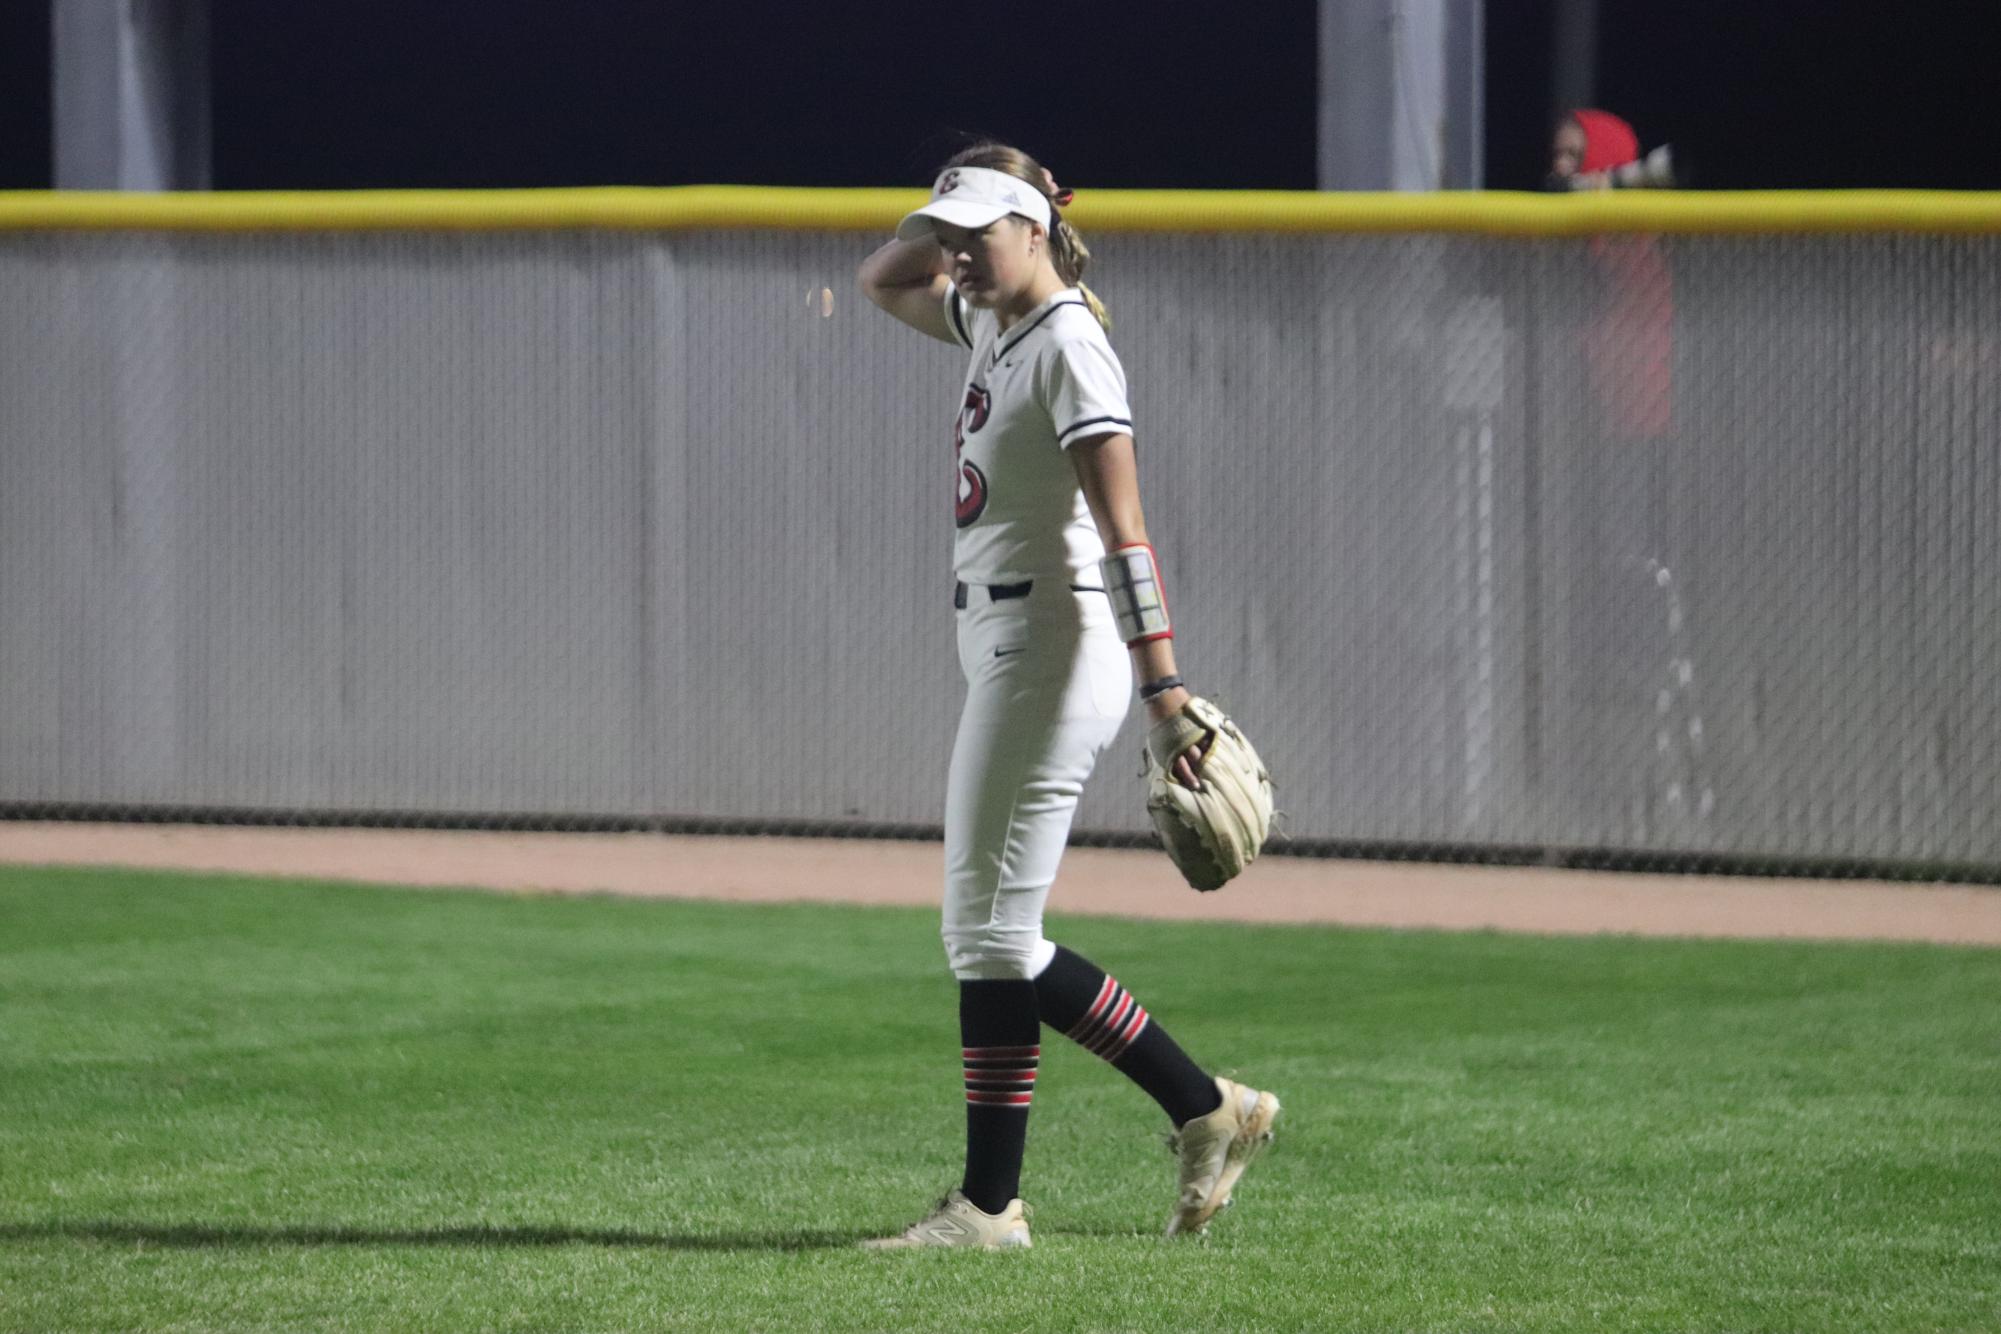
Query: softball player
[[1051, 628]]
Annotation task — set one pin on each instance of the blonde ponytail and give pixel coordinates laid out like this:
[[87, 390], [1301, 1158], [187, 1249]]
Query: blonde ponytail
[[1070, 255]]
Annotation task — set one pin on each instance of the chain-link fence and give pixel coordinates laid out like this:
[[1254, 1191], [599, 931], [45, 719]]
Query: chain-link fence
[[1685, 547]]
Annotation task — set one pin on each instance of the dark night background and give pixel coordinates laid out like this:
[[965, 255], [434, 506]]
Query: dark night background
[[1785, 93]]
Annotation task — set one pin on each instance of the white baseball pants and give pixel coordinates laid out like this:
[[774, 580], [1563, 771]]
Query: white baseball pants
[[1048, 682]]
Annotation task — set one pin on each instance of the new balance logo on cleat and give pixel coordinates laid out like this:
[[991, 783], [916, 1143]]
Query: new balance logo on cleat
[[957, 1221]]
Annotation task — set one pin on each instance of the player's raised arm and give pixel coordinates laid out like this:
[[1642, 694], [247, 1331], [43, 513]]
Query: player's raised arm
[[907, 279]]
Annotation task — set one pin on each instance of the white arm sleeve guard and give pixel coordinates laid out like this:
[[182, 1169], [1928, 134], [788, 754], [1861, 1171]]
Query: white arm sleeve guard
[[1132, 581]]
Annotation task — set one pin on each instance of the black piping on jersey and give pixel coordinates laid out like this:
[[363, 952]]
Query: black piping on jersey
[[958, 324], [1061, 436], [1015, 336]]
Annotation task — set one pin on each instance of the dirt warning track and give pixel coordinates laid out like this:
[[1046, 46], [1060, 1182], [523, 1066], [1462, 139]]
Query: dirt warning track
[[1112, 882]]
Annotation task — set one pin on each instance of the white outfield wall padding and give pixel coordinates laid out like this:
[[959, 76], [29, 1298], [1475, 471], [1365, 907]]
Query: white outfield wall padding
[[1676, 544]]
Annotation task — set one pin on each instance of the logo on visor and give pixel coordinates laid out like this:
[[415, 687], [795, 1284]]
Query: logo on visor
[[948, 182]]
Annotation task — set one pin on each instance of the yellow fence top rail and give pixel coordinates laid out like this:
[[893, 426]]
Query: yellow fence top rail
[[678, 208]]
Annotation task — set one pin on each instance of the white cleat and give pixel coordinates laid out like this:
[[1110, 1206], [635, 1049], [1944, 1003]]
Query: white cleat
[[957, 1221], [1214, 1151]]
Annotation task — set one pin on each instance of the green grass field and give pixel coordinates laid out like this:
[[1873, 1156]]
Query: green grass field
[[234, 1104]]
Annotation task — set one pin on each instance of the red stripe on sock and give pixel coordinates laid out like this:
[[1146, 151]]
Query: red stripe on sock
[[1105, 994], [1114, 1020], [1133, 1028], [986, 1099], [1106, 1035], [1124, 1038]]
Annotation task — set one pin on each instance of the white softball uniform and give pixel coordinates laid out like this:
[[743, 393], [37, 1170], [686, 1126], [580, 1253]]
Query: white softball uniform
[[1048, 679], [1047, 382]]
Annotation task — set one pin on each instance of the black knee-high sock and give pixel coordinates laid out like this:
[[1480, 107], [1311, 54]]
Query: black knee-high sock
[[1081, 1001], [997, 1027]]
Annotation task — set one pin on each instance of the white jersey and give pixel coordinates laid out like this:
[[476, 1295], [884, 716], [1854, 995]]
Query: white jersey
[[1030, 393]]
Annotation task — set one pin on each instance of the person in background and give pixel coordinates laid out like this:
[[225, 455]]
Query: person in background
[[1629, 345], [1631, 609]]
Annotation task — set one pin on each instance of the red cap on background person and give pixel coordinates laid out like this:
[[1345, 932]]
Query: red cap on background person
[[1608, 141], [1596, 150]]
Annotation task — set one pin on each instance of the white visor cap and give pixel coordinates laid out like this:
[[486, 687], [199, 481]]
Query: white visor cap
[[974, 197]]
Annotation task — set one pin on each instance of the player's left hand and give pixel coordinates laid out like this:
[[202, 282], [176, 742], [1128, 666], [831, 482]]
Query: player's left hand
[[1215, 830], [1187, 765]]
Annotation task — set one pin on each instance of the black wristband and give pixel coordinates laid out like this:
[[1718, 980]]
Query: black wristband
[[1160, 687]]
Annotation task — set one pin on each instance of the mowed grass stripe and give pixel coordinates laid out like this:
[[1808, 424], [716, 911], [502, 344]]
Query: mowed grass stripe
[[239, 1104]]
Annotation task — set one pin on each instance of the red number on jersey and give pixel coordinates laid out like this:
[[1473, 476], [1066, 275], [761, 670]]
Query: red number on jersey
[[972, 483]]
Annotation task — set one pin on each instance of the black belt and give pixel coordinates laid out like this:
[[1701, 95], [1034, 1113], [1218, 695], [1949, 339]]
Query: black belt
[[995, 592], [1008, 592]]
